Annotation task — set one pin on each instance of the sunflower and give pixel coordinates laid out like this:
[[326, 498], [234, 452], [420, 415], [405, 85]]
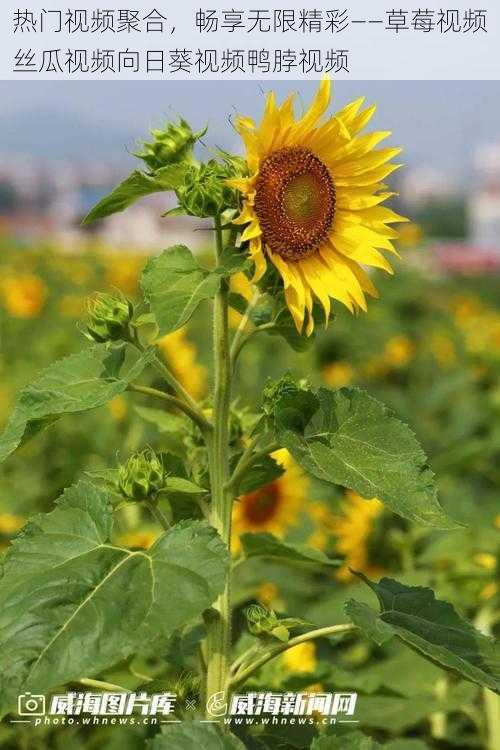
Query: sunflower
[[274, 507], [312, 202], [354, 530], [24, 296], [180, 354]]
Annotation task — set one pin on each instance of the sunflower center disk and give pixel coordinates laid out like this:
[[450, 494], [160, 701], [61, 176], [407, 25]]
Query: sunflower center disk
[[294, 202], [262, 504]]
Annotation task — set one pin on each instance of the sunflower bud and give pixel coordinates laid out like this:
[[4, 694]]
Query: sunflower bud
[[260, 620], [172, 145], [274, 390], [142, 476], [109, 316], [205, 191]]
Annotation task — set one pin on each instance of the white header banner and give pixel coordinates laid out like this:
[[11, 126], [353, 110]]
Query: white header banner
[[240, 39]]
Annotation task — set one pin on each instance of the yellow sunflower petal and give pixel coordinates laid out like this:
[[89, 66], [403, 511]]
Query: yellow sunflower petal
[[317, 109], [253, 230], [368, 178], [258, 259], [357, 200]]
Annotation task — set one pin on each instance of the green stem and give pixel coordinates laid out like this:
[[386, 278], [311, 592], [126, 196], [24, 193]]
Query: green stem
[[218, 644], [158, 514], [243, 339], [484, 622], [243, 674], [190, 405], [99, 685], [239, 336], [248, 458], [194, 414]]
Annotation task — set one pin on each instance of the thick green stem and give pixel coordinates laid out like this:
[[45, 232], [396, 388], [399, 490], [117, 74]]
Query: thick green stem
[[219, 618]]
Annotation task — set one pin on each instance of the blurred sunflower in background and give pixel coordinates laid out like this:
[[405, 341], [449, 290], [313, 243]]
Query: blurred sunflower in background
[[273, 508], [24, 296], [312, 202], [354, 530], [181, 356], [10, 524]]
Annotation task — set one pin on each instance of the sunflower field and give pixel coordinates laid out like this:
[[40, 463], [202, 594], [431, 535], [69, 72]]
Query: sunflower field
[[354, 568]]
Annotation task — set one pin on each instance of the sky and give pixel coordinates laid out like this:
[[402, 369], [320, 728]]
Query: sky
[[439, 123]]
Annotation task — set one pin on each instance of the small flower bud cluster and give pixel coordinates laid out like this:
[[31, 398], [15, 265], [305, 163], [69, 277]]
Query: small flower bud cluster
[[262, 622], [142, 477], [172, 145], [109, 317]]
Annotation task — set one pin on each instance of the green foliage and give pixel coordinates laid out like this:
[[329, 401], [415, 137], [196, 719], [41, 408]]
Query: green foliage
[[137, 185], [191, 735], [269, 547], [205, 192], [263, 471], [109, 317], [64, 583], [143, 476], [351, 439], [359, 741], [174, 284], [72, 385], [172, 145], [430, 626]]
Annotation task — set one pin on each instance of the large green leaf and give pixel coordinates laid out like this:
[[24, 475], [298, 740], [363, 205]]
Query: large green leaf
[[137, 185], [430, 626], [73, 604], [354, 441], [268, 546], [72, 385], [174, 283], [190, 735]]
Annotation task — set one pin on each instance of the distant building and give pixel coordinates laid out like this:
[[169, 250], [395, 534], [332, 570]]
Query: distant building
[[484, 202]]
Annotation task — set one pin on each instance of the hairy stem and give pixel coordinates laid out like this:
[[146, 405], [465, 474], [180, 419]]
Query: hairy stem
[[218, 644], [243, 673]]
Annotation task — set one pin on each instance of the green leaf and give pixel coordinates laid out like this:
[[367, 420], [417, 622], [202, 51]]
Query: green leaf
[[190, 735], [137, 185], [72, 385], [237, 302], [268, 546], [358, 741], [355, 441], [184, 486], [285, 328], [174, 284], [262, 472], [233, 260], [72, 604], [430, 626]]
